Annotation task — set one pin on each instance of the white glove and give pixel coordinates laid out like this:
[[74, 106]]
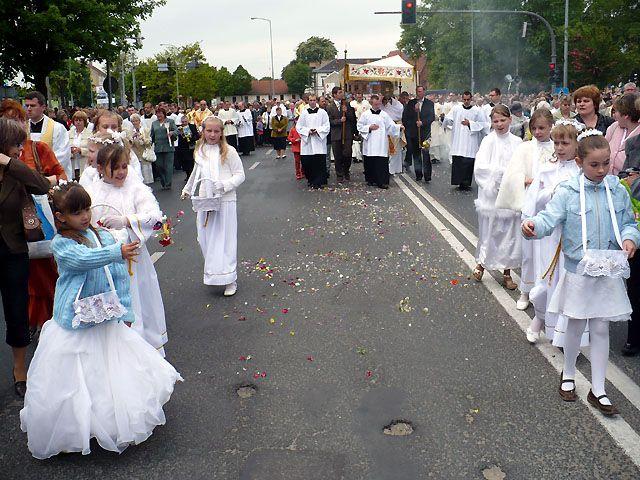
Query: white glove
[[115, 222], [218, 186]]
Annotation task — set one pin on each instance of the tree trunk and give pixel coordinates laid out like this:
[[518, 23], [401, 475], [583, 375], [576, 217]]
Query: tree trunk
[[39, 80]]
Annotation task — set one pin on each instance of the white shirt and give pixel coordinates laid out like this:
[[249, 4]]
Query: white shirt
[[61, 146], [360, 107], [375, 143], [245, 129], [465, 141], [313, 144], [147, 122], [394, 109], [282, 107]]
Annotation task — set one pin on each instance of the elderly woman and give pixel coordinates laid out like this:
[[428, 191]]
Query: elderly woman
[[43, 272], [563, 112], [163, 135], [625, 127], [78, 137], [16, 181], [587, 101], [141, 141]]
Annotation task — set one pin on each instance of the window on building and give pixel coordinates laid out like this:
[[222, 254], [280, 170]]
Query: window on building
[[233, 99], [246, 98], [257, 98], [281, 97]]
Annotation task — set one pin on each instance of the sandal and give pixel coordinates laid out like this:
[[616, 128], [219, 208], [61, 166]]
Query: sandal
[[509, 284], [567, 395], [477, 274], [607, 410]]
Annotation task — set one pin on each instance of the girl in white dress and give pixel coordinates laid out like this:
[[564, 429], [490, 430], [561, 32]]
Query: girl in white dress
[[216, 175], [547, 259], [127, 207], [499, 236], [91, 376], [599, 234], [525, 165]]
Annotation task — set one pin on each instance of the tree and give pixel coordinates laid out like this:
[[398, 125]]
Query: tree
[[224, 82], [39, 36], [241, 80], [316, 49], [74, 79], [298, 76]]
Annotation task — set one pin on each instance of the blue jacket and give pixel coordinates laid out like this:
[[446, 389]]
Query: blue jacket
[[77, 264], [564, 208]]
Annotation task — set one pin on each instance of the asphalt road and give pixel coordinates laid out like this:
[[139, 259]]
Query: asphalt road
[[352, 311]]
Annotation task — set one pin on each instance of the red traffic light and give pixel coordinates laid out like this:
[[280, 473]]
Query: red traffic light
[[408, 12], [409, 4], [552, 66]]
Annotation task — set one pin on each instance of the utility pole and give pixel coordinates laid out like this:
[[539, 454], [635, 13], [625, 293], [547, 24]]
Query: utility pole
[[123, 94], [565, 63], [473, 73], [133, 79]]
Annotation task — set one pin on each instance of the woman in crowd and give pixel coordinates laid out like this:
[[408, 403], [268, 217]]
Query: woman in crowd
[[163, 135], [78, 136], [141, 142], [16, 182], [587, 101], [187, 137], [626, 126]]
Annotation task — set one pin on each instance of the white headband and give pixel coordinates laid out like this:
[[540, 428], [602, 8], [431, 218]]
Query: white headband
[[589, 133]]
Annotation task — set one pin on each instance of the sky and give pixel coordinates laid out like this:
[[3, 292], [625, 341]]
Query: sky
[[228, 37]]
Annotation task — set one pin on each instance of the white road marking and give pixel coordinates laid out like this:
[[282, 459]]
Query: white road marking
[[270, 151], [617, 377], [254, 165], [155, 256], [622, 433]]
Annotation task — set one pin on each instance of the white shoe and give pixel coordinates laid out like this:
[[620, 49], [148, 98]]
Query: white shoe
[[532, 337], [231, 289], [523, 301]]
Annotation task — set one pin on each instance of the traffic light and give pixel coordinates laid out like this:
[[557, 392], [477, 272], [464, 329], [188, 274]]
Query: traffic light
[[552, 73], [408, 12]]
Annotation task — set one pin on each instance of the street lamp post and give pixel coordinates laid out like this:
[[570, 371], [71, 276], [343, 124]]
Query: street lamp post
[[565, 66], [273, 90], [177, 68]]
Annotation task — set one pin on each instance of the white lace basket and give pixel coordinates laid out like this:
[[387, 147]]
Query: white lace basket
[[596, 262], [97, 308], [203, 203], [120, 235]]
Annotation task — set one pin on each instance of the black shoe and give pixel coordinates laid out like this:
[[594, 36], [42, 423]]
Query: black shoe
[[418, 178], [427, 180], [20, 387], [384, 186], [371, 184], [630, 350], [434, 161]]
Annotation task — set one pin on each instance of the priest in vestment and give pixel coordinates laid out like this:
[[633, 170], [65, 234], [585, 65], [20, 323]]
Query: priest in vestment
[[375, 127], [360, 105], [394, 109], [202, 113], [467, 122], [230, 119], [313, 128], [44, 129], [245, 130]]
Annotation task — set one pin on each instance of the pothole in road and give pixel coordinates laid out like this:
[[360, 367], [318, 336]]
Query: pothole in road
[[246, 391], [398, 428]]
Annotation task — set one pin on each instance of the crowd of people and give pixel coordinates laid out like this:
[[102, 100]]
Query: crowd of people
[[558, 197]]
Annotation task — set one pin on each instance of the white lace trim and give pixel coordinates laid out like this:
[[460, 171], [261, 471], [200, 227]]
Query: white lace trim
[[97, 309], [604, 263]]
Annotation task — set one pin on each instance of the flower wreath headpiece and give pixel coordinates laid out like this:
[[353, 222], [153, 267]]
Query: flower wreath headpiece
[[116, 137], [63, 182], [589, 133], [577, 125]]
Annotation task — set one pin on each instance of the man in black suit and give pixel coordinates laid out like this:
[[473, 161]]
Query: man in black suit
[[342, 118], [417, 117]]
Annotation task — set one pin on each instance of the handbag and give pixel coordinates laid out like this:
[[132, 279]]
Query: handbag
[[30, 221], [148, 154], [97, 308], [602, 263], [41, 248]]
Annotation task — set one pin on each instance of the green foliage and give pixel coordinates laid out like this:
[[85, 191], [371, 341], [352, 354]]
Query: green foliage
[[224, 82], [298, 76], [73, 79], [242, 81], [604, 42], [316, 49], [37, 37]]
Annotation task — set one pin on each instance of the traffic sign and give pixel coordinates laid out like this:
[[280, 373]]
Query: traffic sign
[[561, 91], [114, 84]]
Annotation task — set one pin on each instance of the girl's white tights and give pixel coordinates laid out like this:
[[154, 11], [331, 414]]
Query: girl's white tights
[[599, 336]]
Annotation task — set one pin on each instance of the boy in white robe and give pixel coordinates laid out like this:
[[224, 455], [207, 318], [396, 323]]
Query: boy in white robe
[[313, 127], [230, 120], [375, 126], [467, 122], [499, 236]]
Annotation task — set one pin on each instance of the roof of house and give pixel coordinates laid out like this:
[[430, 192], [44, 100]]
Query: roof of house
[[338, 64], [263, 87]]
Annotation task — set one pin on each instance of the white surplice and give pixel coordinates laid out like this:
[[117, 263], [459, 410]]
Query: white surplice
[[136, 201], [245, 128], [465, 141], [313, 144], [394, 109], [499, 237], [375, 143], [225, 116], [217, 230]]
